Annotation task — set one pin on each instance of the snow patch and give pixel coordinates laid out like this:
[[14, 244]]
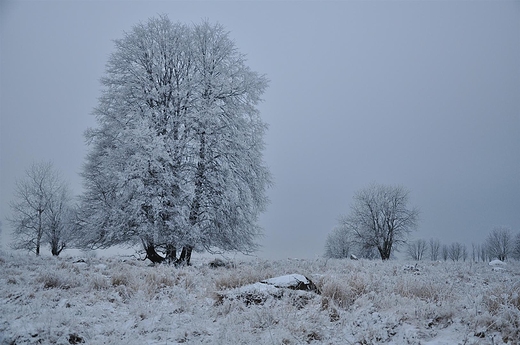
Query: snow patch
[[497, 262], [287, 281]]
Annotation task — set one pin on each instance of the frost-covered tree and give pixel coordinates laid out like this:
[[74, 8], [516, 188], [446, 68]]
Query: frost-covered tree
[[434, 247], [41, 210], [499, 243], [484, 255], [338, 244], [416, 249], [342, 243], [464, 253], [474, 252], [61, 229], [457, 251], [516, 247], [176, 161], [381, 218]]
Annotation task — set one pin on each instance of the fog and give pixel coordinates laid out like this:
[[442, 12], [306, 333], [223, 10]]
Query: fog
[[420, 94]]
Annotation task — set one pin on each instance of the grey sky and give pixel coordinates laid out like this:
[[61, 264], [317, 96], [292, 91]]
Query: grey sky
[[422, 94]]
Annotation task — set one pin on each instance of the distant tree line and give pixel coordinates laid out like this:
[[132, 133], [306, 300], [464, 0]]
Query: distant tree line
[[380, 221], [500, 244]]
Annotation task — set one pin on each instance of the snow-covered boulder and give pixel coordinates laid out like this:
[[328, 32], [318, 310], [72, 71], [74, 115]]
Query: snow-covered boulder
[[497, 265], [256, 293], [497, 262], [412, 268], [259, 292], [81, 264], [293, 282], [216, 263]]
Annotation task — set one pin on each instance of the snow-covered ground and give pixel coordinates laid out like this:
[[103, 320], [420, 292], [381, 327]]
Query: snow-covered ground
[[107, 301]]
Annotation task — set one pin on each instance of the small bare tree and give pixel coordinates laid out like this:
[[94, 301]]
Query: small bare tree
[[499, 243], [39, 210], [338, 244], [416, 249], [483, 253], [456, 251], [445, 252], [61, 225], [434, 249], [474, 252], [381, 218]]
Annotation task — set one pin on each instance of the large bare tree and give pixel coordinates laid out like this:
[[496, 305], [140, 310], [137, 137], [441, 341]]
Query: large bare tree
[[381, 218], [41, 210]]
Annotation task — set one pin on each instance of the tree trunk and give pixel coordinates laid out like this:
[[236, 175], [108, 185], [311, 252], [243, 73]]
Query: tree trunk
[[185, 257], [56, 248], [384, 252], [152, 255], [171, 253], [40, 232]]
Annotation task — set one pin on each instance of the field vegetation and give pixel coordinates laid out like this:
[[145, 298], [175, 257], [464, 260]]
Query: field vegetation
[[49, 300]]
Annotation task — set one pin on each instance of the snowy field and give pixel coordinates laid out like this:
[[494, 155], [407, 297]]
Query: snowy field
[[111, 301]]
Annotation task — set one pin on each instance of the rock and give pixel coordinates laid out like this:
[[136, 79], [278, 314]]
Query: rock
[[75, 339], [293, 282], [217, 263], [412, 268], [497, 262], [259, 292], [80, 264]]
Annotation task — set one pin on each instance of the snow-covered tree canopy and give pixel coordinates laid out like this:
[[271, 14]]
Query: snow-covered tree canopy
[[176, 161]]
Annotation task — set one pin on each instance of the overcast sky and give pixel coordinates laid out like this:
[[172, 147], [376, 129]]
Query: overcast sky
[[422, 94]]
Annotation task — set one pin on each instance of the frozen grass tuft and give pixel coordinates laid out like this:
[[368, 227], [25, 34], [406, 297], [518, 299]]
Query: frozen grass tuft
[[57, 280], [240, 276]]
